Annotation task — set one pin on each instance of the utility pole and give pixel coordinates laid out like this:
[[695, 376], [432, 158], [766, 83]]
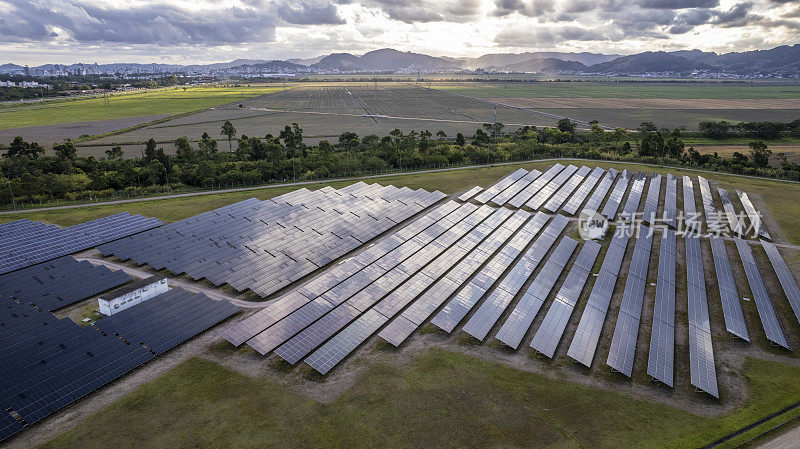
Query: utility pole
[[14, 203]]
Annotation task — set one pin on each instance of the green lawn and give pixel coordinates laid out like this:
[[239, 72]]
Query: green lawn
[[716, 90], [139, 104], [441, 399]]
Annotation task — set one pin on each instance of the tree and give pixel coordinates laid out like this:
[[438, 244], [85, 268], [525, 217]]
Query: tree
[[65, 151], [460, 140], [598, 134], [348, 140], [441, 135], [760, 153], [114, 152], [184, 150], [714, 130], [207, 146], [566, 125], [229, 131], [480, 137], [739, 158], [149, 150], [647, 128], [19, 147]]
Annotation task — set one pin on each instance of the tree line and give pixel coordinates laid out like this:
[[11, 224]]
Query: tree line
[[29, 174], [758, 130]]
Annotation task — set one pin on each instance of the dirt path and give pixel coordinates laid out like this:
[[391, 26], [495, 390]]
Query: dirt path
[[787, 440], [192, 287]]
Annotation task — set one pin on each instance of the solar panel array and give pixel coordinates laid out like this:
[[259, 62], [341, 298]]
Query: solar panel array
[[552, 328], [593, 205], [785, 277], [506, 195], [661, 359], [615, 199], [753, 215], [671, 201], [634, 196], [709, 209], [730, 213], [49, 363], [626, 331], [729, 295], [59, 283], [587, 334], [469, 194], [538, 200], [649, 214], [167, 320], [24, 242], [266, 245], [701, 351], [531, 189], [766, 311], [690, 216], [499, 186], [517, 324], [572, 205], [503, 294], [555, 202]]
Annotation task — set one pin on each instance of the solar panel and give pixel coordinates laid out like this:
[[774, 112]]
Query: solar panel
[[660, 361], [690, 215], [506, 195], [498, 300], [755, 217], [166, 320], [501, 185], [709, 210], [766, 311], [593, 205], [651, 203], [634, 197], [729, 295], [671, 201], [623, 343], [785, 277], [48, 363], [345, 342], [517, 324], [615, 199], [398, 330], [59, 282], [730, 213], [587, 334], [528, 192], [469, 194], [24, 243], [580, 195], [458, 307], [538, 200], [555, 202], [265, 246], [701, 353]]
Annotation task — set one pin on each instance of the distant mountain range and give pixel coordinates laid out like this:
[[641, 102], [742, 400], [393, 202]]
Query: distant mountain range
[[775, 62]]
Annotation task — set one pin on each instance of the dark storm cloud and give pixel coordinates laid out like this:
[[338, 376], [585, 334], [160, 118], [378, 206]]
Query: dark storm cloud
[[530, 8], [309, 13], [677, 4], [413, 11], [157, 23]]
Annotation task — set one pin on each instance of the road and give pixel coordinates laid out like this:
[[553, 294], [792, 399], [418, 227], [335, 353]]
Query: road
[[384, 175], [787, 440]]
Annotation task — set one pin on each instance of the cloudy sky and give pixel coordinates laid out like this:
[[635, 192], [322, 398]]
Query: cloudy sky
[[200, 31]]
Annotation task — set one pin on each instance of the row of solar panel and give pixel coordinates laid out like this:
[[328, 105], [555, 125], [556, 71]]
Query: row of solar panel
[[264, 246], [26, 243], [49, 362], [564, 186], [58, 283]]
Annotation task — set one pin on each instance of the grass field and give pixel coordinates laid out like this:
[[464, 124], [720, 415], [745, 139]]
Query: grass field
[[441, 399], [721, 90], [782, 199], [148, 103]]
